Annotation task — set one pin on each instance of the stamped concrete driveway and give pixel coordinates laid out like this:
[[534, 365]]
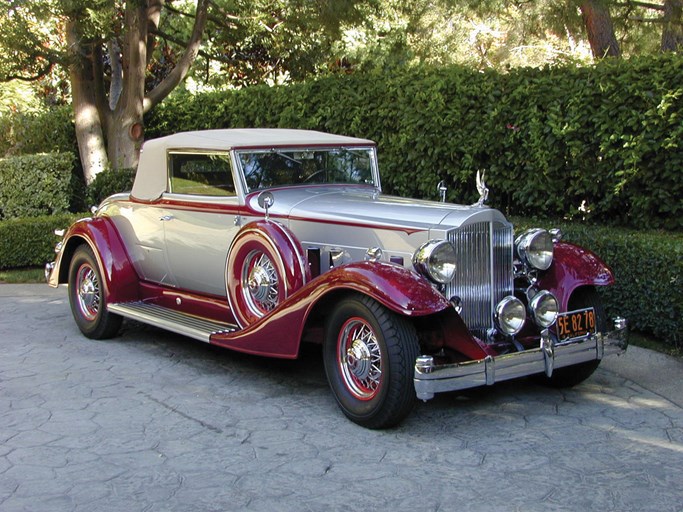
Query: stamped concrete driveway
[[156, 422]]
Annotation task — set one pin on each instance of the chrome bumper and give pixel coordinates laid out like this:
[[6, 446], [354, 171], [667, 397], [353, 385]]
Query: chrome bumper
[[430, 378]]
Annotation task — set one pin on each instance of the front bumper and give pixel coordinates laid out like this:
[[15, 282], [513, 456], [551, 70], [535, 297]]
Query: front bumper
[[430, 378]]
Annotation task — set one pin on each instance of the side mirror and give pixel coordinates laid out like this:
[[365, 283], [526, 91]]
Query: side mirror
[[266, 200]]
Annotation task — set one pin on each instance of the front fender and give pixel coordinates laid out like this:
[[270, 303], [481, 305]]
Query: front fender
[[279, 333], [395, 287], [572, 267], [100, 233]]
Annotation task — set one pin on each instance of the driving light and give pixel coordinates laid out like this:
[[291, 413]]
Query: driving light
[[535, 248], [436, 261], [510, 315], [544, 308]]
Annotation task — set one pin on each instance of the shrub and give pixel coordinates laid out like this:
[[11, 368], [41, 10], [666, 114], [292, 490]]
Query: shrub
[[109, 182], [32, 185], [28, 133], [602, 142], [30, 241]]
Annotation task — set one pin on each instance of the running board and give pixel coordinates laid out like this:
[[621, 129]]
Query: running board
[[174, 321]]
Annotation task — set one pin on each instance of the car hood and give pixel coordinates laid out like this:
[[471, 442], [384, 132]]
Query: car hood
[[365, 206]]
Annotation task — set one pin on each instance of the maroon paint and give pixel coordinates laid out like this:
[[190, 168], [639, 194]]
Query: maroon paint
[[203, 306], [572, 267], [279, 333], [120, 278]]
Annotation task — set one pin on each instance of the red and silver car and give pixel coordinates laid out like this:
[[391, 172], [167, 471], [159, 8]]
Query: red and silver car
[[259, 240]]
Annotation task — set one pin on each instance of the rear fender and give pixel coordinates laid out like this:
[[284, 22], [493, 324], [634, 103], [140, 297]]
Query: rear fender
[[100, 233], [573, 267]]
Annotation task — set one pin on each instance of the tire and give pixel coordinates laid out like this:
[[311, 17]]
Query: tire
[[87, 297], [369, 354], [570, 376], [265, 266]]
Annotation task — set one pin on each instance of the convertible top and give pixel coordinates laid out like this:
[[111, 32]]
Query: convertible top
[[151, 177]]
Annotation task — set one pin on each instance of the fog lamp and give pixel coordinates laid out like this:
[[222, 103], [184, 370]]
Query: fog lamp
[[510, 315], [544, 308]]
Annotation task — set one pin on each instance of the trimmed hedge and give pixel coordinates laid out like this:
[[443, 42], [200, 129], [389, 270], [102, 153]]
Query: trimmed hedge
[[32, 185], [647, 268], [603, 142], [29, 133], [31, 241]]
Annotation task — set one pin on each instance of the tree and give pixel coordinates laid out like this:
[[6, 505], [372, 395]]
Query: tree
[[107, 47], [599, 28]]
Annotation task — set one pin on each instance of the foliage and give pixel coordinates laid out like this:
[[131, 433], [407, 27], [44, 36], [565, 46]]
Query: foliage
[[33, 185], [600, 143], [30, 241], [647, 268], [108, 182], [23, 133]]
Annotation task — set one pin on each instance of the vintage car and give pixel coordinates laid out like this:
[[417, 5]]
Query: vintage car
[[258, 240]]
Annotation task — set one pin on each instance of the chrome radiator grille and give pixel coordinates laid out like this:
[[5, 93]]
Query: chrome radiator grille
[[484, 273]]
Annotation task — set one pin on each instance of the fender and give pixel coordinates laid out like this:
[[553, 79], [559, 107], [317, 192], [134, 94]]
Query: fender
[[100, 233], [279, 333], [572, 267]]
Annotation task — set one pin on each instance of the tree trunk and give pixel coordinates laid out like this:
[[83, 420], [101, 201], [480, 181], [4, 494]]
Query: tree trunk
[[672, 32], [84, 87], [599, 29]]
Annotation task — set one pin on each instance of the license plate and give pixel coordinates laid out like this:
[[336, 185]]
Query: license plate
[[575, 324]]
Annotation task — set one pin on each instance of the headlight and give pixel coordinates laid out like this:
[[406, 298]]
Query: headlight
[[510, 315], [535, 248], [544, 308], [436, 261]]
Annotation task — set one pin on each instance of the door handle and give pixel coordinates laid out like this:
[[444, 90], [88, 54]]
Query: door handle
[[166, 218]]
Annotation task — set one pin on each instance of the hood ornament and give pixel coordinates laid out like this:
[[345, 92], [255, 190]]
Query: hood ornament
[[481, 188]]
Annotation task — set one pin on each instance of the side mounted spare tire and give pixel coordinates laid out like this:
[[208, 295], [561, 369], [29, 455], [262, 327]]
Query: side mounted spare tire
[[266, 264]]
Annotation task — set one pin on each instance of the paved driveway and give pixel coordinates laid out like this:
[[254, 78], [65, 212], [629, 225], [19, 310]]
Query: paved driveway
[[155, 422]]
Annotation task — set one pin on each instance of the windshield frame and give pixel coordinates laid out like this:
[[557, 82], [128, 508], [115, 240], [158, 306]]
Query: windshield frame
[[371, 150]]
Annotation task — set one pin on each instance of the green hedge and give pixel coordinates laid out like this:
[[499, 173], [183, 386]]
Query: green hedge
[[647, 267], [29, 133], [30, 241], [603, 142], [32, 185]]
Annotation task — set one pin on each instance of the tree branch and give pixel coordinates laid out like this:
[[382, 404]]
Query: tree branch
[[172, 39], [182, 67], [45, 70], [645, 5]]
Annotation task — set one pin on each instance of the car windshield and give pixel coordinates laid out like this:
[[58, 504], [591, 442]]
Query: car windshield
[[287, 167]]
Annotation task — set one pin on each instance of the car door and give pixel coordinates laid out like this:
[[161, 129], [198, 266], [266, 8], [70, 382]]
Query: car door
[[199, 225]]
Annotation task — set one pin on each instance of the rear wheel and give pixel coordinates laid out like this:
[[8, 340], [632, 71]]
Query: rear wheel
[[369, 355], [87, 297], [572, 375]]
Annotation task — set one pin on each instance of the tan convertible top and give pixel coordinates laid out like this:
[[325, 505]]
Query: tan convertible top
[[150, 179]]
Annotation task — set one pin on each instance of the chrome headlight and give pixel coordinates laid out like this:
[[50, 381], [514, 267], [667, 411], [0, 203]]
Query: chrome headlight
[[436, 261], [535, 248], [510, 315], [544, 308]]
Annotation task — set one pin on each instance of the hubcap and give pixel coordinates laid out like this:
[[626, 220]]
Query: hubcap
[[360, 359], [88, 292], [261, 282]]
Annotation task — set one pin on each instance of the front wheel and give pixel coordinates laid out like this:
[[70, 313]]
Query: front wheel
[[87, 297], [369, 354]]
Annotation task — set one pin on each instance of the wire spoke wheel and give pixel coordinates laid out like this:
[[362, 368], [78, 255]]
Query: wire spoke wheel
[[88, 291], [369, 354], [260, 283], [360, 359], [87, 297]]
